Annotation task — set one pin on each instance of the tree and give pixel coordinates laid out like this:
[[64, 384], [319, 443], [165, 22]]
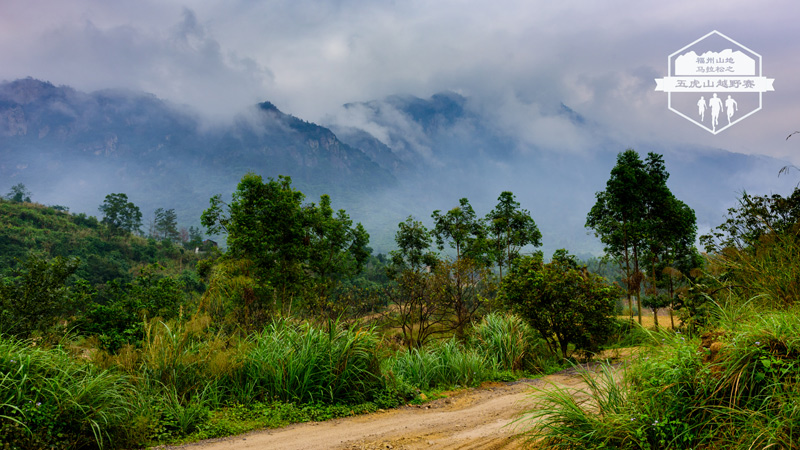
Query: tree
[[755, 217], [418, 314], [296, 249], [120, 215], [617, 218], [165, 224], [413, 243], [640, 221], [36, 295], [510, 228], [337, 249], [460, 281], [669, 230], [563, 301], [266, 224], [462, 229], [19, 193]]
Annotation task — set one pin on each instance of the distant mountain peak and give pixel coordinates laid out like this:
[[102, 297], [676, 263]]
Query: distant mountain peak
[[268, 106]]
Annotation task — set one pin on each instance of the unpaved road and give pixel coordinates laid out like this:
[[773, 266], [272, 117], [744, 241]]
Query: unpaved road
[[480, 418]]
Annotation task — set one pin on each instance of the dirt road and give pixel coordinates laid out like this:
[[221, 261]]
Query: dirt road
[[480, 418]]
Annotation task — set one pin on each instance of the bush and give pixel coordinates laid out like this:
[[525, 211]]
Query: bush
[[565, 303]]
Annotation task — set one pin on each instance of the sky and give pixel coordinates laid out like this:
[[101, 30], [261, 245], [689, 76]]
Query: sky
[[516, 59]]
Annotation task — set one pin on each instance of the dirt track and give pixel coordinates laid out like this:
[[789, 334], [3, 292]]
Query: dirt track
[[479, 418]]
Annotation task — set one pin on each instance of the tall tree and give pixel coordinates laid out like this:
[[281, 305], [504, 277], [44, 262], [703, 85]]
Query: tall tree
[[510, 228], [669, 225], [120, 214], [461, 280], [641, 222], [413, 243], [462, 229], [337, 248], [417, 311], [166, 224], [617, 218], [265, 223]]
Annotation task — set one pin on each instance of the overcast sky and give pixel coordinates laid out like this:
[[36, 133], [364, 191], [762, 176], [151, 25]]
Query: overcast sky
[[516, 59]]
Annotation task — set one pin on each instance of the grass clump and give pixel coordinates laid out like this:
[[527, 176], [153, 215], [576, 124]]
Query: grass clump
[[50, 400], [301, 363], [734, 389], [445, 364]]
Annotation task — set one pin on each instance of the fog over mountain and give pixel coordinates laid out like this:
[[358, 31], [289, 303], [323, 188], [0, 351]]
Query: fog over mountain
[[381, 160]]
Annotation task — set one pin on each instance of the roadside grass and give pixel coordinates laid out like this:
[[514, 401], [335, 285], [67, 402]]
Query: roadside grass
[[49, 400], [188, 381], [736, 388]]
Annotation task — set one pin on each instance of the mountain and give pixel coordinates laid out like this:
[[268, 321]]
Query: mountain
[[451, 147], [380, 160], [73, 148]]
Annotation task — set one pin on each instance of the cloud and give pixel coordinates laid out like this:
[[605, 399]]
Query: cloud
[[310, 57]]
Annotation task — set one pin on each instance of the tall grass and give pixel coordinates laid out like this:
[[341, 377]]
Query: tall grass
[[741, 391], [507, 339], [301, 363], [444, 364], [50, 400]]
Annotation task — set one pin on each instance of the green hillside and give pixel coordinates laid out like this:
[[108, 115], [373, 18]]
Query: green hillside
[[31, 229]]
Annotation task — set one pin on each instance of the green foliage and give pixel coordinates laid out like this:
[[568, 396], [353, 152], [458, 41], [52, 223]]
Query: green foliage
[[121, 215], [299, 250], [510, 341], [117, 318], [755, 217], [740, 392], [46, 233], [640, 221], [165, 225], [462, 229], [307, 364], [565, 303], [19, 193], [444, 365], [510, 228], [36, 296], [413, 241], [52, 401]]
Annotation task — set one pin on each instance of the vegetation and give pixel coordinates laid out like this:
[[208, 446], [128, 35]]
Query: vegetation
[[642, 224], [109, 339], [569, 306], [732, 381]]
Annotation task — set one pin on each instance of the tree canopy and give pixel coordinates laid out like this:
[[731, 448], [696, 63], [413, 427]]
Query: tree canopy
[[120, 214], [564, 302], [291, 245]]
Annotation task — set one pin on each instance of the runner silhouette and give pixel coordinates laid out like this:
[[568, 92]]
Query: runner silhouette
[[730, 105], [701, 108], [715, 103]]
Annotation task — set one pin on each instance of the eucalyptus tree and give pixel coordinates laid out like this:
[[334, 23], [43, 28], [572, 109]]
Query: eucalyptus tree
[[510, 228], [639, 219], [617, 218], [465, 281]]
